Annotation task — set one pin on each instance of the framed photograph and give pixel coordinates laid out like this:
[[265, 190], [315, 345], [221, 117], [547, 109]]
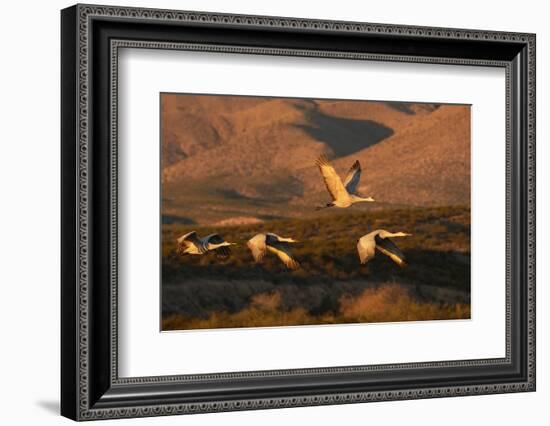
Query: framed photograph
[[263, 212]]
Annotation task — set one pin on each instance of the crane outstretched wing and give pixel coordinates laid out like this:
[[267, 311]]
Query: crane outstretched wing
[[387, 246], [190, 239], [333, 182], [282, 250], [271, 238], [209, 242], [366, 248], [223, 252], [257, 246], [352, 178], [214, 239]]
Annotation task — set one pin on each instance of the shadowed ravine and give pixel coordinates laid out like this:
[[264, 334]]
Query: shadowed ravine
[[344, 136]]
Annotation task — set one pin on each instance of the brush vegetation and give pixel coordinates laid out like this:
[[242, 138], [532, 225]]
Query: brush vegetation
[[331, 286], [388, 303]]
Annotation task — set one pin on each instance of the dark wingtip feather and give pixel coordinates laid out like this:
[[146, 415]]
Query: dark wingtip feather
[[293, 265], [322, 160], [223, 253]]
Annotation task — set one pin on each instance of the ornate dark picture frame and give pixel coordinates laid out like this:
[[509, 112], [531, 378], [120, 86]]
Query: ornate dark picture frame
[[90, 385]]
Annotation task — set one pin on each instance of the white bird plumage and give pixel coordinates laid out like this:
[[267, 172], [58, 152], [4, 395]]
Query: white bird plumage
[[380, 240], [343, 194], [260, 244], [190, 243]]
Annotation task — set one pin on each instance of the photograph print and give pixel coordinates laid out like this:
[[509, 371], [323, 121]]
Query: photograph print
[[297, 211]]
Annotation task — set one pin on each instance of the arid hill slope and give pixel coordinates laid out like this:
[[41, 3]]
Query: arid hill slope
[[262, 150], [425, 162]]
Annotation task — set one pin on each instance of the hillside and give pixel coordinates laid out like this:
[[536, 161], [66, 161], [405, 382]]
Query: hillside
[[250, 158]]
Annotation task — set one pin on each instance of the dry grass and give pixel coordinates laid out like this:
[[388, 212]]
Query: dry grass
[[331, 286], [437, 253], [392, 302], [388, 303]]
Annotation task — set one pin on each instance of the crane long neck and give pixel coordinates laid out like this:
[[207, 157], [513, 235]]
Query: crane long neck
[[396, 234], [357, 198], [286, 240]]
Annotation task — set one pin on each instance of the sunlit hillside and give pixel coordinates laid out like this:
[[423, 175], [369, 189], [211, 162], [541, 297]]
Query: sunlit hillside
[[227, 157]]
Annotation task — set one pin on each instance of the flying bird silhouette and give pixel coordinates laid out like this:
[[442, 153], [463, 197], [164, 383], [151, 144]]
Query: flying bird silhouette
[[343, 194], [260, 244], [380, 240], [190, 243]]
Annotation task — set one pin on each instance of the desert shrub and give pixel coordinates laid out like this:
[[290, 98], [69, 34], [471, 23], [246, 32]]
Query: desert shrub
[[393, 302], [387, 303], [438, 256]]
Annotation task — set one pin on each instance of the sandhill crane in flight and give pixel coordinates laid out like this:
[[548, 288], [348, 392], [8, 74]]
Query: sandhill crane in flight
[[343, 194], [190, 243], [380, 240], [261, 243]]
